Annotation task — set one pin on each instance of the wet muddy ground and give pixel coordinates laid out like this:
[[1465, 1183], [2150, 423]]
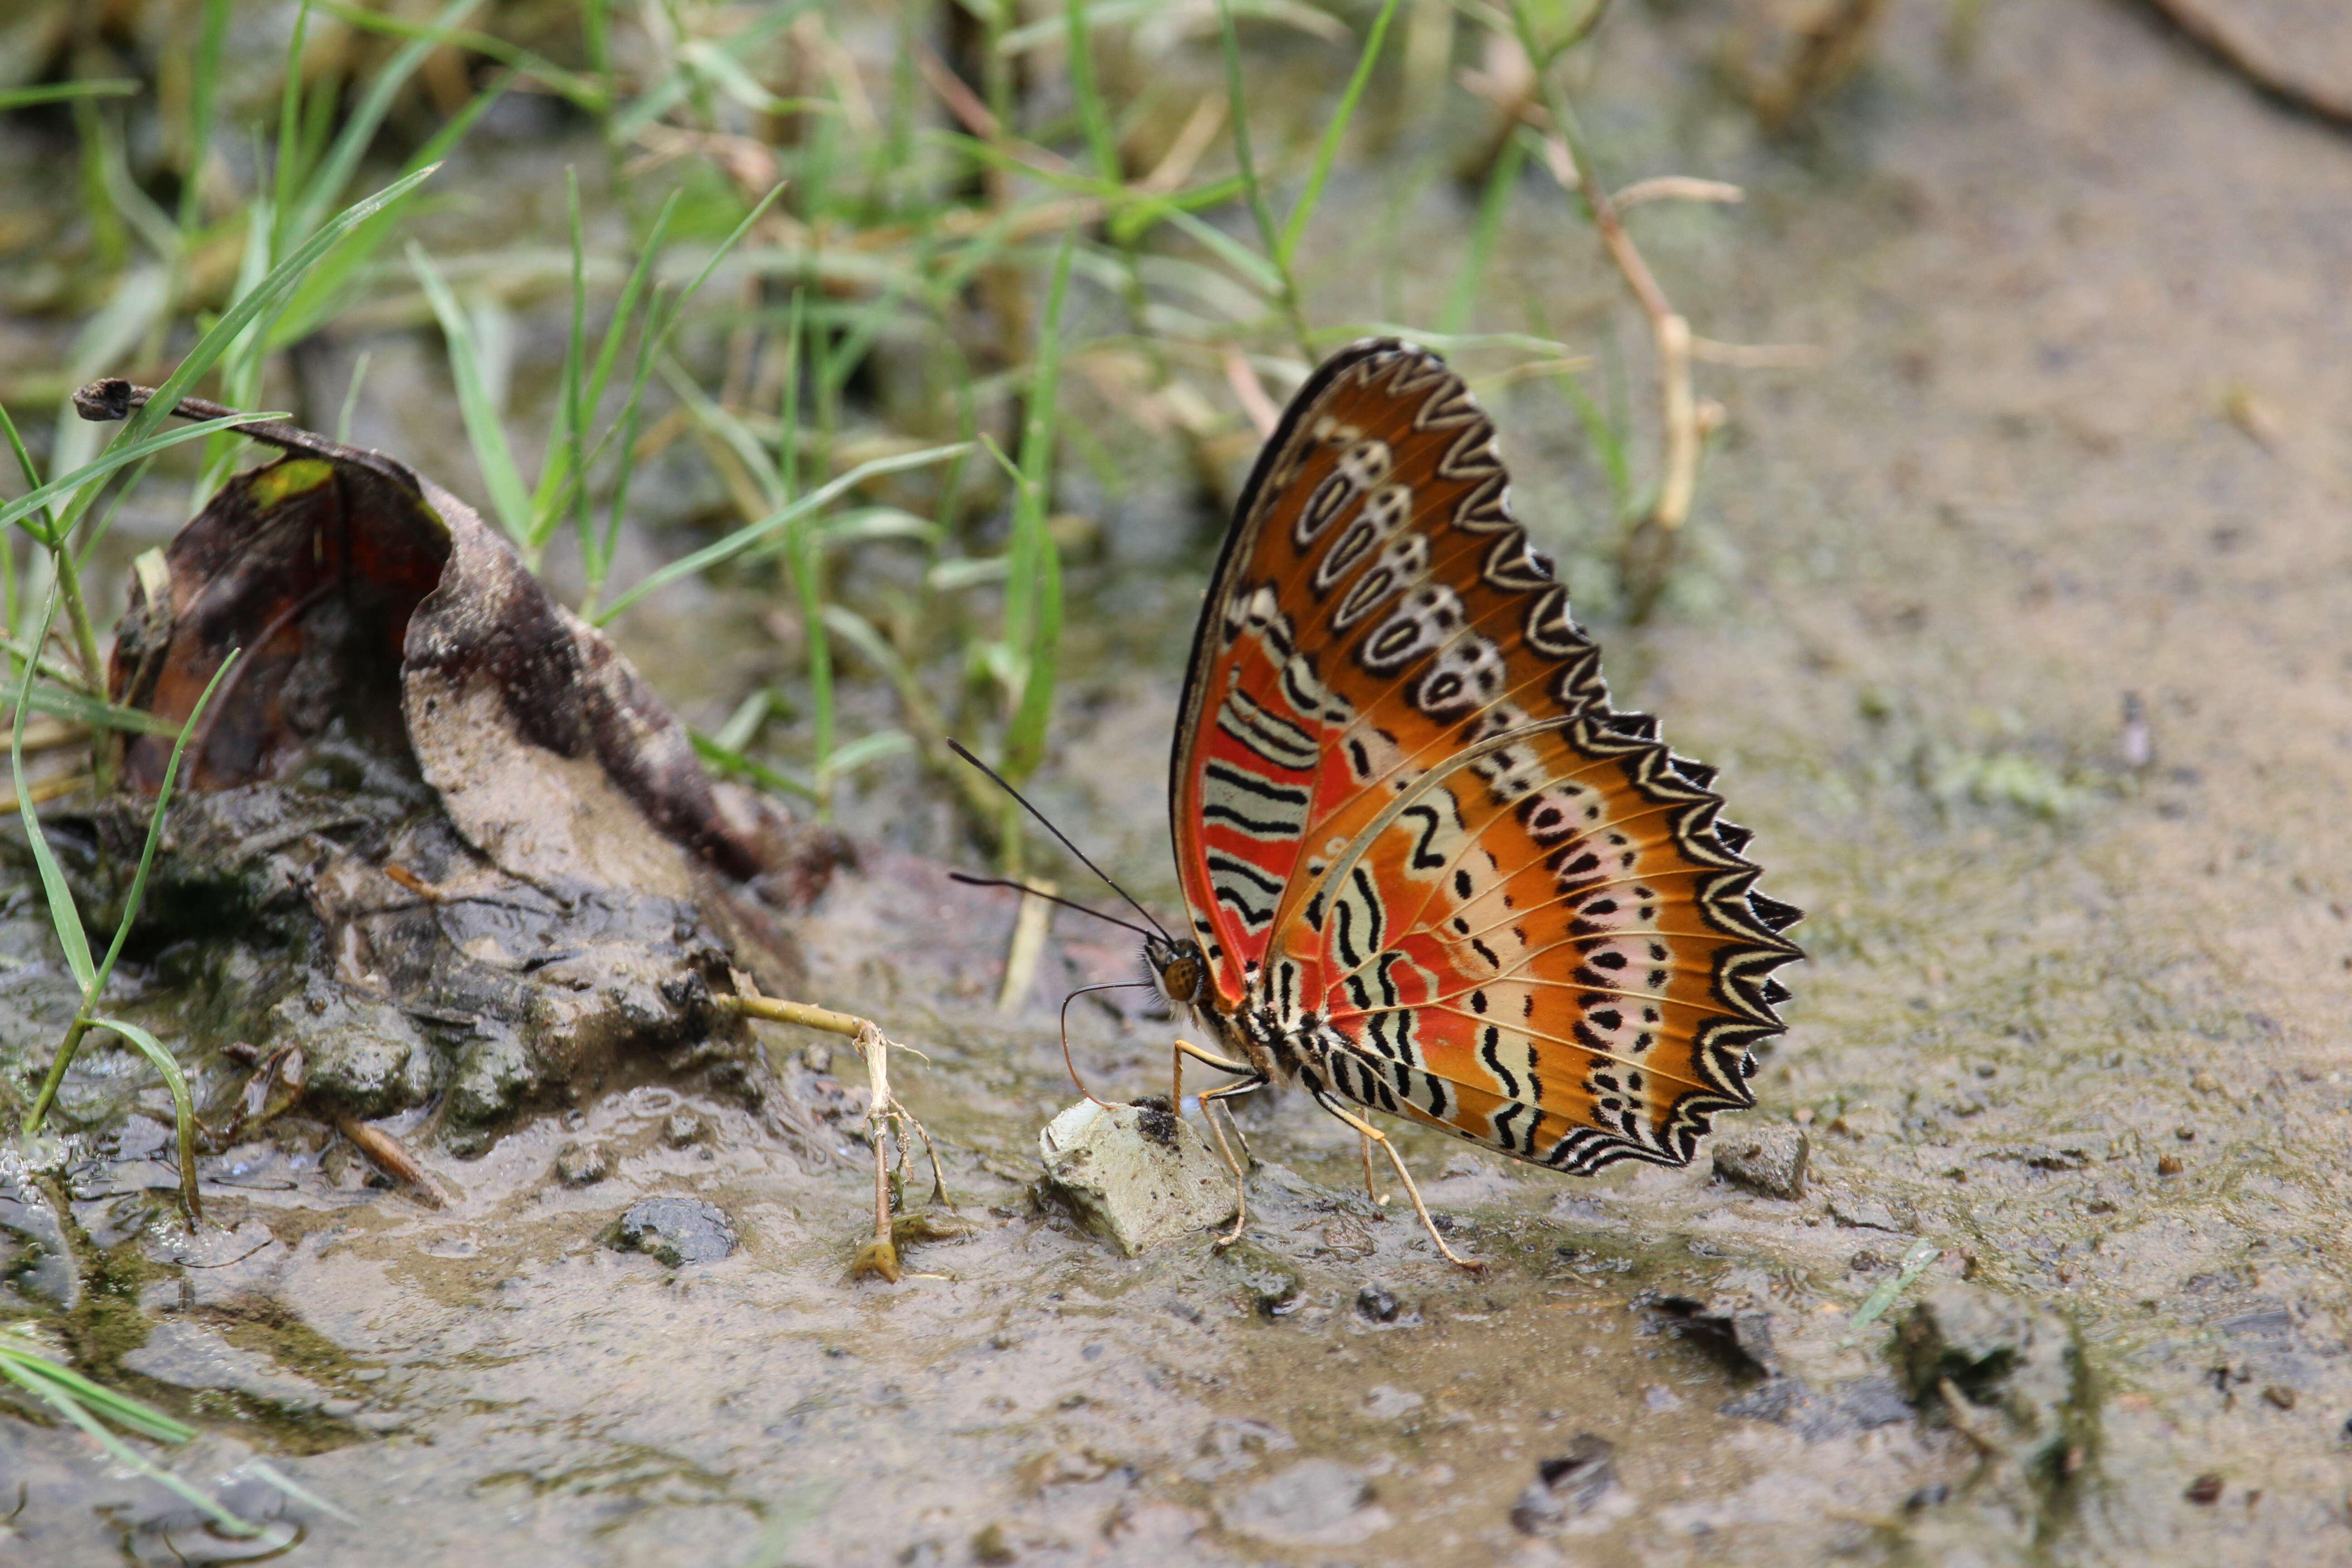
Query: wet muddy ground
[[2075, 1012]]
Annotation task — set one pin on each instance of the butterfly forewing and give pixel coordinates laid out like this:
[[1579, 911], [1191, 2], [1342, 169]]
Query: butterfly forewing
[[1409, 825]]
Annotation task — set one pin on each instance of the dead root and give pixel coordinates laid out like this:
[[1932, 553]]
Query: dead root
[[886, 1120]]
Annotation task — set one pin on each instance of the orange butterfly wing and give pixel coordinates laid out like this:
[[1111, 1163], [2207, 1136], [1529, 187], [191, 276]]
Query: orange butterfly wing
[[1414, 838]]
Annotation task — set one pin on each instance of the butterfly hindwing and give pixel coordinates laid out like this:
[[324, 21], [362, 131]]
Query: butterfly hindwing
[[1409, 827]]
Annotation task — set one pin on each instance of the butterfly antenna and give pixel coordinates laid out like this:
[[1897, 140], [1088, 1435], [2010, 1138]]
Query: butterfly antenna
[[1066, 1060], [968, 880], [957, 748]]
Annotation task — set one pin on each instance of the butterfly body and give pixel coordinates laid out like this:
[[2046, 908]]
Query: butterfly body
[[1428, 869]]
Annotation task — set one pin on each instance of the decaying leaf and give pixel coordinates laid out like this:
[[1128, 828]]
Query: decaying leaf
[[474, 851]]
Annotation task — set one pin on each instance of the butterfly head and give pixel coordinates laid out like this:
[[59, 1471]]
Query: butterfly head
[[1178, 970]]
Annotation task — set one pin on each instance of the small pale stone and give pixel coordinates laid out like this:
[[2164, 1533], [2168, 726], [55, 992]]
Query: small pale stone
[[1770, 1162], [1135, 1174]]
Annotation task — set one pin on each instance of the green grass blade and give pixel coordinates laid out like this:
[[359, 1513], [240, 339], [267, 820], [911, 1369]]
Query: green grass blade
[[735, 236], [1915, 1263], [561, 481], [58, 91], [1491, 207], [64, 918], [1038, 563], [1237, 111], [290, 168], [608, 353], [1328, 152], [342, 161], [729, 761], [46, 528], [582, 92], [61, 701], [351, 397], [1092, 115], [299, 1493], [203, 76], [115, 457], [485, 430], [29, 1369], [871, 748], [138, 891], [316, 298], [742, 539], [273, 288], [129, 1457], [184, 1108], [663, 96]]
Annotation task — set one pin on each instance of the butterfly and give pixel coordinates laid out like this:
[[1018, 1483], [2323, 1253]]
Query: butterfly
[[1429, 870]]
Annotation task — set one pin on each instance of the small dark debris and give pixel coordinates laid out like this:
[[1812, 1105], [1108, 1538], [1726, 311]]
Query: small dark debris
[[2280, 1394], [1566, 1486], [1741, 1334], [1927, 1497], [2168, 1166], [2205, 1489], [1155, 1120], [1376, 1304], [989, 1545], [676, 1231], [1865, 1262]]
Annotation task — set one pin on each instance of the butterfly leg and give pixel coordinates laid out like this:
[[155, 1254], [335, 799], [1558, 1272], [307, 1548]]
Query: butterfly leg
[[1176, 1075], [1370, 1191], [1372, 1135], [1210, 1103]]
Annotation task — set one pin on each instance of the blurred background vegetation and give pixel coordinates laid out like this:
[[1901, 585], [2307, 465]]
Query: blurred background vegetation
[[844, 350]]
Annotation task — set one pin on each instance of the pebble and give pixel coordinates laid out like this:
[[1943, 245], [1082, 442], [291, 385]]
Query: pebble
[[582, 1164], [684, 1130], [1134, 1174], [676, 1231], [1770, 1163]]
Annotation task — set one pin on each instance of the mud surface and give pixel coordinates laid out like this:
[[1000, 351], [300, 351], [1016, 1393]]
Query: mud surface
[[2075, 1013]]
